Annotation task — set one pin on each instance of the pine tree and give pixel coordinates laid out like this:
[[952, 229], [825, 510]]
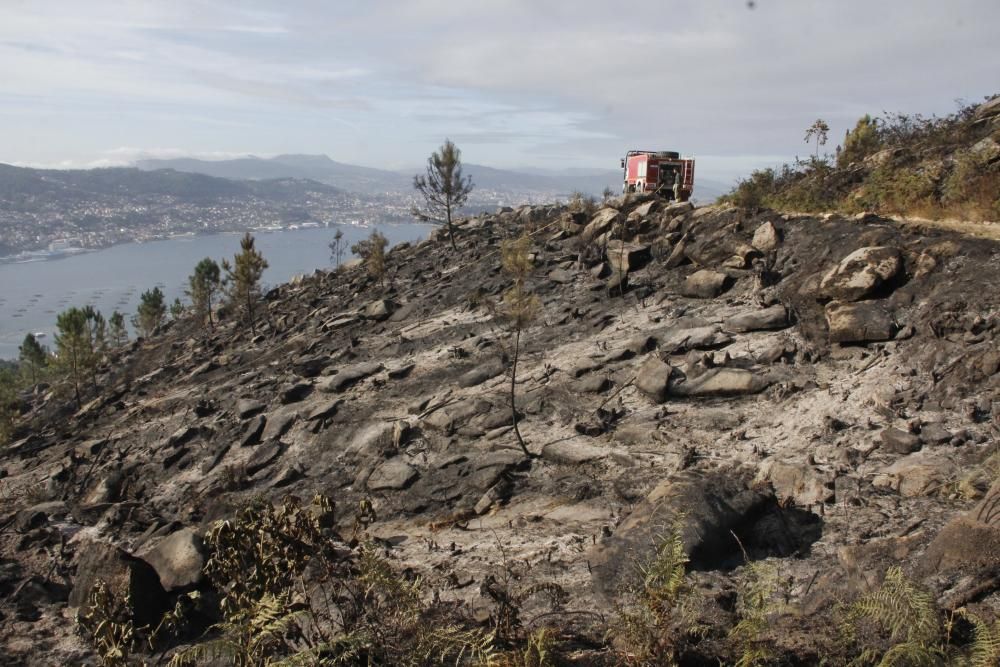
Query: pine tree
[[73, 346], [443, 188], [202, 287], [33, 356], [817, 131], [119, 334], [176, 309], [243, 279], [520, 307], [372, 251], [152, 310]]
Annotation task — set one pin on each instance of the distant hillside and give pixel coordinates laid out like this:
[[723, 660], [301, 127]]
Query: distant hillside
[[20, 186], [366, 180], [313, 167], [908, 165]]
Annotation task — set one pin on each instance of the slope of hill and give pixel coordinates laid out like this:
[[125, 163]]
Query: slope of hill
[[552, 182], [19, 184], [101, 207], [800, 403], [320, 168], [897, 165]]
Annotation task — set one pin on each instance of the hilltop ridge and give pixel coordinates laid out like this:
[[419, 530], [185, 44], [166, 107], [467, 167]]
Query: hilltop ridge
[[824, 390]]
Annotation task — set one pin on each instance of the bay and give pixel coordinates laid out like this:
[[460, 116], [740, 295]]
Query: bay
[[33, 293]]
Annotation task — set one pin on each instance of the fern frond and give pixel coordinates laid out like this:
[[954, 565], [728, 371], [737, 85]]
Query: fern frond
[[985, 649], [904, 610], [912, 654]]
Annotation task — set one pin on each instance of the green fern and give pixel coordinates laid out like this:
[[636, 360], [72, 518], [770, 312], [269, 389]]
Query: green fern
[[985, 649], [755, 604], [909, 615]]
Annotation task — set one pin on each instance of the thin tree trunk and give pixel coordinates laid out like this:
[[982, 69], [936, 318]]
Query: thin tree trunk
[[451, 230], [513, 408]]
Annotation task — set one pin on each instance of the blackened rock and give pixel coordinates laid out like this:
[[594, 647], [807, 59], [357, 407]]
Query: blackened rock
[[122, 574]]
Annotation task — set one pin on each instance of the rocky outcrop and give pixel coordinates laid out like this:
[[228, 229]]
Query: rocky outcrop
[[862, 273], [859, 322], [178, 559]]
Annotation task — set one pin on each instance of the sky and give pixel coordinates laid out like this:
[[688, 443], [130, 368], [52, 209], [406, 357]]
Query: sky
[[534, 83]]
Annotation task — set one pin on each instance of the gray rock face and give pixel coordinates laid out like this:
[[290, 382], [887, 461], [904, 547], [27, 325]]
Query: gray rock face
[[720, 382], [861, 273], [899, 442], [380, 310], [653, 378], [694, 338], [798, 481], [350, 375], [594, 384], [677, 208], [602, 222], [645, 209], [574, 451], [480, 374], [278, 424], [262, 457], [775, 317], [295, 392], [704, 284], [766, 238], [178, 559], [627, 256], [393, 475], [246, 407], [310, 367], [252, 432], [561, 276], [324, 410], [858, 322], [448, 418]]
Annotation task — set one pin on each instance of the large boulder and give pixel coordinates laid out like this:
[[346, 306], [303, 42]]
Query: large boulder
[[573, 451], [393, 475], [705, 284], [625, 257], [653, 378], [863, 322], [602, 222], [350, 375], [720, 382], [124, 575], [862, 273], [708, 504], [178, 559], [766, 238]]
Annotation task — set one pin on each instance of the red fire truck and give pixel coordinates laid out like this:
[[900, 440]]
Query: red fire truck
[[659, 171]]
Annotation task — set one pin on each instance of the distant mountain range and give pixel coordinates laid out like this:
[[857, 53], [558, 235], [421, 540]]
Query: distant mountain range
[[21, 187], [367, 180]]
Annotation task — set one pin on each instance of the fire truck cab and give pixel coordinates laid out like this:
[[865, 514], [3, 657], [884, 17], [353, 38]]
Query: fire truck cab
[[658, 171]]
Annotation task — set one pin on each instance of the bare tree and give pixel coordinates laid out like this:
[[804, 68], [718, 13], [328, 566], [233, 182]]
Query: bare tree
[[520, 307], [443, 188]]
